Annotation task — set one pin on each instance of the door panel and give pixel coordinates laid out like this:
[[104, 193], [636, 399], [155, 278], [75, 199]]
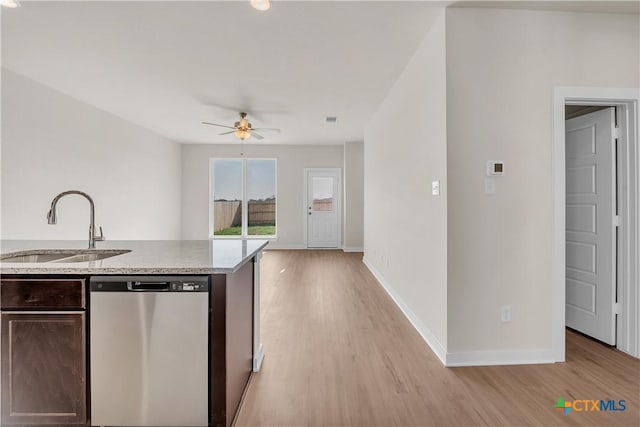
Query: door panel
[[581, 218], [323, 209], [581, 256], [590, 236], [581, 180]]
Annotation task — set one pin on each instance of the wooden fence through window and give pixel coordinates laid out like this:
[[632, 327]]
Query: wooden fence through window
[[227, 214]]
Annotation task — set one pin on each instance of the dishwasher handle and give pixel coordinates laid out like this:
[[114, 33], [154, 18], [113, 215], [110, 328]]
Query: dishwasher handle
[[148, 286]]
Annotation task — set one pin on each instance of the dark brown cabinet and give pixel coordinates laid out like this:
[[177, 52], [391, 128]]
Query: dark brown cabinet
[[231, 342], [43, 352]]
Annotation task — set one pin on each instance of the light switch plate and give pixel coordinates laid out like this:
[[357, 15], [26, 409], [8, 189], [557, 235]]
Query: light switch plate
[[435, 188]]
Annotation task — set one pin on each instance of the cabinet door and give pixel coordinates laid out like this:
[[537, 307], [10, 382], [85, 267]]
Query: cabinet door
[[43, 368]]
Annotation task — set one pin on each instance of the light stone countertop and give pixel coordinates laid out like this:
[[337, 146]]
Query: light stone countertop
[[214, 256]]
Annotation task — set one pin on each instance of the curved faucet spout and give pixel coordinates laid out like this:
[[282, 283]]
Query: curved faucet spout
[[52, 217]]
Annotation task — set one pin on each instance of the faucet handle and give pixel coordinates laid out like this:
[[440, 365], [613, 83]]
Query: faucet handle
[[99, 238]]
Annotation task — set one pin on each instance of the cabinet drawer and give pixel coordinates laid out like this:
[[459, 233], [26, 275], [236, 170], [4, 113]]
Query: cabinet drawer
[[42, 293]]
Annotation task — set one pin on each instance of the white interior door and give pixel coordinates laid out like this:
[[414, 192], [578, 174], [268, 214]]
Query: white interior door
[[323, 208], [590, 230]]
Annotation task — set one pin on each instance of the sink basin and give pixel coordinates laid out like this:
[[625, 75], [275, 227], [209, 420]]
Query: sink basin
[[62, 255], [46, 257], [88, 257]]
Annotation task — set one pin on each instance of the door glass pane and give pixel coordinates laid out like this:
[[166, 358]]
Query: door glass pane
[[227, 197], [261, 197], [322, 191]]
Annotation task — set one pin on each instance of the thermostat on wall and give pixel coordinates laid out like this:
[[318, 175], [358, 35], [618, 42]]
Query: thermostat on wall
[[495, 167]]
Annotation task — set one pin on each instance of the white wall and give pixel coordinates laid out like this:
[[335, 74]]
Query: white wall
[[292, 160], [52, 143], [353, 196], [405, 226], [502, 66]]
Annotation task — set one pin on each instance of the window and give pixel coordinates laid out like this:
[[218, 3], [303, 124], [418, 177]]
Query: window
[[243, 197], [322, 193]]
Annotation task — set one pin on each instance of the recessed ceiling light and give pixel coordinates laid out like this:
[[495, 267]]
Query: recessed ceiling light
[[261, 5], [330, 119], [10, 3]]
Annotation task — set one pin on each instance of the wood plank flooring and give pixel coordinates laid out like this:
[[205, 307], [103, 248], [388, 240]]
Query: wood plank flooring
[[340, 353]]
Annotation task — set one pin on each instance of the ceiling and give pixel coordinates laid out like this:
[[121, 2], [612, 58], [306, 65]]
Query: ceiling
[[167, 66], [586, 6]]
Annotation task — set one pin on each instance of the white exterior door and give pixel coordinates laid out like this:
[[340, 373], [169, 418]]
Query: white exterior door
[[590, 229], [323, 208]]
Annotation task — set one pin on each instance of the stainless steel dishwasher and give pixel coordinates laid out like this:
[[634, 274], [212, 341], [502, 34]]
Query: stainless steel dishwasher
[[149, 350]]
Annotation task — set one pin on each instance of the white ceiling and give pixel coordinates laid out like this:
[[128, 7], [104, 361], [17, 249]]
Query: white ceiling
[[167, 66], [586, 6]]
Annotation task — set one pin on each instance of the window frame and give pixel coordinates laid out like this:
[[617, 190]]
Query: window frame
[[244, 204]]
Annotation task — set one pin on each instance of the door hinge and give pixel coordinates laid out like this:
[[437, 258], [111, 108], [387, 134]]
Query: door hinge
[[617, 220], [617, 308], [616, 133]]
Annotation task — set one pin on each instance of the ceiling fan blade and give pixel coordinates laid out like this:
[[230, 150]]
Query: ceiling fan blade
[[215, 124], [267, 129], [256, 136], [227, 133]]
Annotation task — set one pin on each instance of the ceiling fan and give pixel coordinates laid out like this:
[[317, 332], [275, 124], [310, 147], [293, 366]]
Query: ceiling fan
[[243, 129]]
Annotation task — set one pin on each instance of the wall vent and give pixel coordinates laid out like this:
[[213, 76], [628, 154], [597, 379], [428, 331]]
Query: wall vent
[[330, 119]]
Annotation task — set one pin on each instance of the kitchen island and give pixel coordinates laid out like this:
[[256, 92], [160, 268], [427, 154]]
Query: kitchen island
[[46, 317]]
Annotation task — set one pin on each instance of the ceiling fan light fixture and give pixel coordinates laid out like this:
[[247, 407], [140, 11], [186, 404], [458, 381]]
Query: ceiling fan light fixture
[[242, 133], [260, 5], [242, 129]]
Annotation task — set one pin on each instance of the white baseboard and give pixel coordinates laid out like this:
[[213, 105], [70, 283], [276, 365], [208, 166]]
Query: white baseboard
[[292, 247], [469, 358], [500, 357], [424, 332], [284, 246], [289, 246], [258, 358]]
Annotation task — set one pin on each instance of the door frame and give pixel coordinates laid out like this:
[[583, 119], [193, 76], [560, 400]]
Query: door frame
[[626, 102], [338, 172]]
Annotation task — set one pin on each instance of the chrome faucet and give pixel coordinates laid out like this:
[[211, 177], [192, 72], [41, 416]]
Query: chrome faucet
[[52, 218]]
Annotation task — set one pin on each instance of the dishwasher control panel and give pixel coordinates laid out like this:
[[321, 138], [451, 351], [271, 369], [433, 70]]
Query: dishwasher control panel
[[149, 284], [187, 286]]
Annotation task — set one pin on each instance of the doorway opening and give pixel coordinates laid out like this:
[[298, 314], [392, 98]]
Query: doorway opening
[[595, 217], [591, 211]]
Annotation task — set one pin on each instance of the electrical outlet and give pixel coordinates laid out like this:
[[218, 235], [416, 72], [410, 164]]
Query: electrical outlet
[[505, 313]]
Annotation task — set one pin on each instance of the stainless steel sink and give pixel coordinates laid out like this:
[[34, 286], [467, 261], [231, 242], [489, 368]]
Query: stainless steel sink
[[61, 255], [33, 258], [87, 257]]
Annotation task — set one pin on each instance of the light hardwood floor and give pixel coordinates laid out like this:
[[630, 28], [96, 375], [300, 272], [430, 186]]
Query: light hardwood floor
[[340, 353]]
